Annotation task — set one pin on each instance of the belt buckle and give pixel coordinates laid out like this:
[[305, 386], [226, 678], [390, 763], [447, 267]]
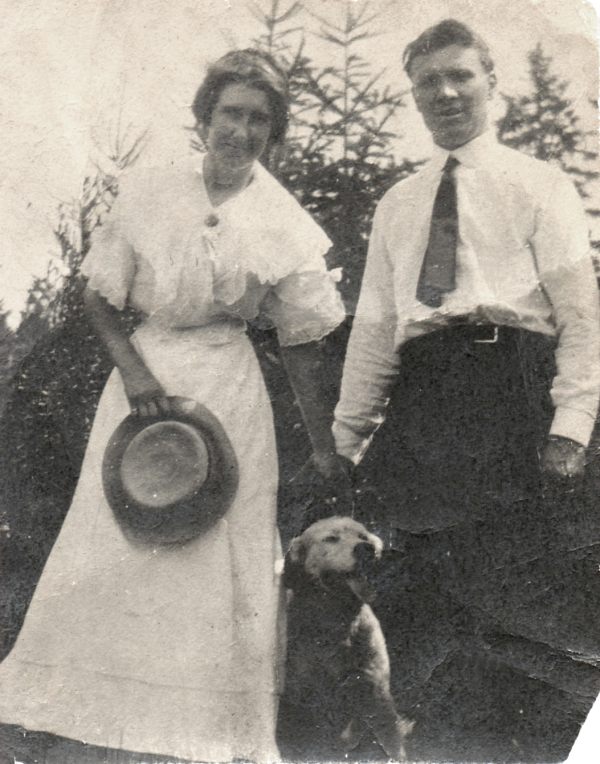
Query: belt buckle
[[491, 341]]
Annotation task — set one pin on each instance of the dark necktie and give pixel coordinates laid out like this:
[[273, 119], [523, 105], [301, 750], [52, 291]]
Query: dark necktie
[[438, 271]]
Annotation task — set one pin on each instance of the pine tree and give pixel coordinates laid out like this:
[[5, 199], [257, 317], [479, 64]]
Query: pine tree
[[58, 367], [545, 124], [80, 218], [55, 352], [338, 159]]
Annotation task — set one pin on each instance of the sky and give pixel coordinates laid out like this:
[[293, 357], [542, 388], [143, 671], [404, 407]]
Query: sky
[[74, 73]]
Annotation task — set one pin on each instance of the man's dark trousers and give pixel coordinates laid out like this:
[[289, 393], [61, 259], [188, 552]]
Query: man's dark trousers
[[486, 561]]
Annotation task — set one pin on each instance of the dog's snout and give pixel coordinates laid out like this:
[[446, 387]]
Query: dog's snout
[[364, 552]]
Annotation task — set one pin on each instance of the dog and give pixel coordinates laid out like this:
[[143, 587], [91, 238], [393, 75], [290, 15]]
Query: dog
[[338, 671]]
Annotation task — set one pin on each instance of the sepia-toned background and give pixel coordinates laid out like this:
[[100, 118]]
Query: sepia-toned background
[[76, 72], [87, 87]]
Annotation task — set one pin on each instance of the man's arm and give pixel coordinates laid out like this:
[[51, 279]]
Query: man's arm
[[371, 362], [561, 247]]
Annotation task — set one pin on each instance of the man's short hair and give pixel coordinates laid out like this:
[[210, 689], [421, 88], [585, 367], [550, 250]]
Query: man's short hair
[[447, 32]]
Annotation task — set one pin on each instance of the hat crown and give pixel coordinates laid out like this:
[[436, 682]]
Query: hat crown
[[165, 463], [169, 478]]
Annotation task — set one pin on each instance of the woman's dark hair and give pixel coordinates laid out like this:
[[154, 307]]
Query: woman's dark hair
[[247, 67], [447, 32]]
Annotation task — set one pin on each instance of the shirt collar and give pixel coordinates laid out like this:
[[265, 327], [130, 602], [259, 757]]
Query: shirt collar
[[472, 154]]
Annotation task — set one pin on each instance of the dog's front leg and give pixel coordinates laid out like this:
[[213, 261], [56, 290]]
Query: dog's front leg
[[379, 712]]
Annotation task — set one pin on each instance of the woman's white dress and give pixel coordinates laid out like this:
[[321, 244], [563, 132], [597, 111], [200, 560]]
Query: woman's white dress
[[176, 650]]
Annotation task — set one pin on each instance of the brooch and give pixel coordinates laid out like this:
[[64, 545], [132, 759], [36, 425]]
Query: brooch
[[211, 220]]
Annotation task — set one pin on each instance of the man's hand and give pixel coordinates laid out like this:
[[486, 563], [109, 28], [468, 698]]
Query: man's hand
[[563, 458]]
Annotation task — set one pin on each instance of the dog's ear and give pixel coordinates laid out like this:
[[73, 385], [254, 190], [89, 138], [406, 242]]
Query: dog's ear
[[293, 566]]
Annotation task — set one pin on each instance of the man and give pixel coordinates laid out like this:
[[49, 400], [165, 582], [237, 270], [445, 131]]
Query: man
[[472, 375]]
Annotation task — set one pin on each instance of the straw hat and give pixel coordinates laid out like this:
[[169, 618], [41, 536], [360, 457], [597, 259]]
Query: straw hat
[[169, 478]]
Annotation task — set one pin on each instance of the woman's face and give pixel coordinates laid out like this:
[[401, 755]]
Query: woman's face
[[240, 126]]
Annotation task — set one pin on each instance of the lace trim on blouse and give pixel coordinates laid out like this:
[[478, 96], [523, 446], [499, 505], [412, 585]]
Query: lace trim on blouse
[[262, 236]]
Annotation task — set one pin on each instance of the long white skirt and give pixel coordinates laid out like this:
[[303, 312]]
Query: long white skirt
[[171, 650]]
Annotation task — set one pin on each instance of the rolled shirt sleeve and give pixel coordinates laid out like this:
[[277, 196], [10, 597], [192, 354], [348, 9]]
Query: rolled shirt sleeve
[[371, 361], [561, 247]]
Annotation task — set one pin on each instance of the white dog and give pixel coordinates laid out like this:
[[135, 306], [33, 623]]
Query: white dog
[[338, 672]]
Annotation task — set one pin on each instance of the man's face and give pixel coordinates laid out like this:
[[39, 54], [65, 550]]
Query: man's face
[[452, 90]]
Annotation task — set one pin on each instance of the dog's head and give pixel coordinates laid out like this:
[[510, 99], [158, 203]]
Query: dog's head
[[332, 553]]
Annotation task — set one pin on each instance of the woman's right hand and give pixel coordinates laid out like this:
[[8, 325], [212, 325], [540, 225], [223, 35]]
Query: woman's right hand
[[145, 394]]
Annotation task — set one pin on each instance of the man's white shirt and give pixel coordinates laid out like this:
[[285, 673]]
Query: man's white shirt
[[523, 260]]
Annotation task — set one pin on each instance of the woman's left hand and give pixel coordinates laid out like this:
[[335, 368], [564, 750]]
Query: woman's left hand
[[336, 472], [324, 480], [332, 466]]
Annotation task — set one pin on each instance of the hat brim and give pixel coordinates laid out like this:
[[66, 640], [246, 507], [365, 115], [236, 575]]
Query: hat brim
[[182, 520]]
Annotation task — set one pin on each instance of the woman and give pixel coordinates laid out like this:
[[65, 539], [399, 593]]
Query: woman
[[174, 650]]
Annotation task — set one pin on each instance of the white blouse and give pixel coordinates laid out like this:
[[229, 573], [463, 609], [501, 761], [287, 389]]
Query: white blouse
[[166, 251]]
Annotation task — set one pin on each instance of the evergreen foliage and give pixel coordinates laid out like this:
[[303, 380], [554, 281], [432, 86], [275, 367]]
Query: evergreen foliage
[[7, 352], [57, 354], [338, 159], [545, 125]]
